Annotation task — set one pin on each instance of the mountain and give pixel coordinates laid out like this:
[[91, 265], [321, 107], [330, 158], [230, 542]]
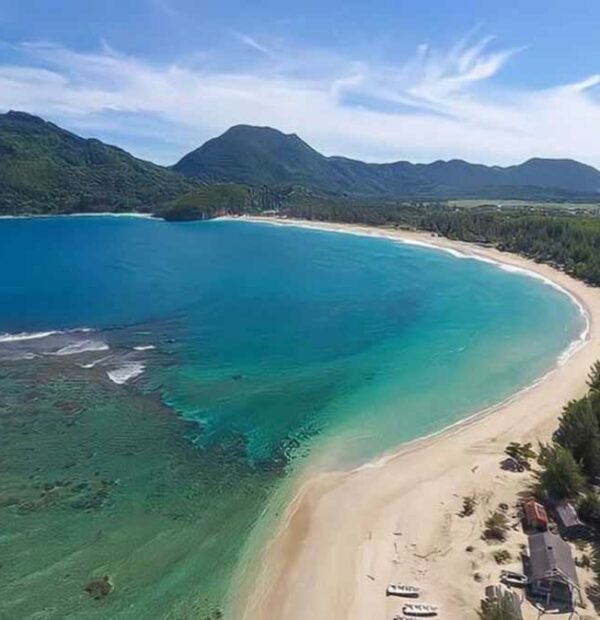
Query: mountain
[[264, 156], [45, 169]]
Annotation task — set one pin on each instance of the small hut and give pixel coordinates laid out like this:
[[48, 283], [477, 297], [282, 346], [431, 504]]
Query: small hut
[[569, 524]]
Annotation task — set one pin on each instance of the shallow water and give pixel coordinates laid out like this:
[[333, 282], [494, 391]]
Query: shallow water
[[217, 357]]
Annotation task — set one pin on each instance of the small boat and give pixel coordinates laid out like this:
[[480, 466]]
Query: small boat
[[511, 578], [400, 589], [420, 610]]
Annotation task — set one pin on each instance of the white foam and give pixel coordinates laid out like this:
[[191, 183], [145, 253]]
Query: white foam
[[36, 335], [82, 347], [126, 372], [25, 336], [145, 347]]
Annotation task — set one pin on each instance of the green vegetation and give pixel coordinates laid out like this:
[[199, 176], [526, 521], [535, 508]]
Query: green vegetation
[[560, 476], [211, 201], [496, 527], [570, 465], [523, 453], [502, 608], [260, 156], [45, 170], [589, 509], [579, 432], [571, 242], [502, 556], [468, 506]]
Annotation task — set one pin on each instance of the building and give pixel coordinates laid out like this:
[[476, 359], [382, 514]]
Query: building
[[535, 517], [567, 520], [552, 572]]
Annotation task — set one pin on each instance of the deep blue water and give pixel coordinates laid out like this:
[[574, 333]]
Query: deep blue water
[[318, 328], [278, 342]]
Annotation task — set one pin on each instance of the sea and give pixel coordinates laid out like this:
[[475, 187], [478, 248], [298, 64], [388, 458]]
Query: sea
[[163, 384]]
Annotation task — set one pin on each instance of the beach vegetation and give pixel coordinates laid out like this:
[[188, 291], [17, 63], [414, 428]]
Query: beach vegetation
[[468, 506], [502, 556], [496, 527], [501, 607], [560, 476], [523, 453]]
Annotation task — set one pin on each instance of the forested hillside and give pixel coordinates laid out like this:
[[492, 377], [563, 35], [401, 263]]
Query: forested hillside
[[45, 169], [258, 156]]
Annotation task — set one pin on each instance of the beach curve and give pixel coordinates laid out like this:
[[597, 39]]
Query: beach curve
[[346, 534]]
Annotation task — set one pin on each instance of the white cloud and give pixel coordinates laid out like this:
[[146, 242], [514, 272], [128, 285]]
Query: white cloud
[[252, 43], [432, 105]]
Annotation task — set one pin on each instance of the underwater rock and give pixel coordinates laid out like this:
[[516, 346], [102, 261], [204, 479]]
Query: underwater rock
[[99, 588]]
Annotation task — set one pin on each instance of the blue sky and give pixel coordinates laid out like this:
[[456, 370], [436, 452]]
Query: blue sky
[[494, 82]]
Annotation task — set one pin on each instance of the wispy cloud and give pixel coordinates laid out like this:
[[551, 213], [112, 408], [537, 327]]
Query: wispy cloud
[[434, 104], [252, 43]]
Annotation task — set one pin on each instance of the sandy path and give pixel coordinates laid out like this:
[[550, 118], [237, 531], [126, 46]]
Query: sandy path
[[348, 534]]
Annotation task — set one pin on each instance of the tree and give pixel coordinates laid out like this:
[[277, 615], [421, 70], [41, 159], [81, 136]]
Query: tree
[[594, 377], [578, 431], [561, 475], [589, 509]]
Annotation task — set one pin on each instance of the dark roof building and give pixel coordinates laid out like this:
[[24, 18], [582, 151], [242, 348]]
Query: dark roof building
[[567, 520], [553, 575]]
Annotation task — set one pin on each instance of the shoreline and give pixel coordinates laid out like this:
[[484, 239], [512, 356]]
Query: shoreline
[[354, 531]]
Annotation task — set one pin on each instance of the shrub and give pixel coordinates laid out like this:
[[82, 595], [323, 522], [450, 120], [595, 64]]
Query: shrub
[[502, 556], [523, 453], [496, 527], [500, 609], [468, 507]]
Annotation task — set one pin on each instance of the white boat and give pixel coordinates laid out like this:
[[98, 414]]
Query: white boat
[[400, 589], [420, 610], [511, 578]]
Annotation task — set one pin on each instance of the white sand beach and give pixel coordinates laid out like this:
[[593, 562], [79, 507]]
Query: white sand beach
[[348, 534]]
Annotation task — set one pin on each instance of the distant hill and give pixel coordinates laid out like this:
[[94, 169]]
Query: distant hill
[[45, 169], [264, 156]]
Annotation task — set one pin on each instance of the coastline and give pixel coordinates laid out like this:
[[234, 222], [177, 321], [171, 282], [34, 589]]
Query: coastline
[[395, 518]]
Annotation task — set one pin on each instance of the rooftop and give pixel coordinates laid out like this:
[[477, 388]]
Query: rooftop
[[551, 555]]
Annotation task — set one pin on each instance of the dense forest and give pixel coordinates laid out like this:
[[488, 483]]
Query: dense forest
[[259, 156], [45, 170], [566, 240]]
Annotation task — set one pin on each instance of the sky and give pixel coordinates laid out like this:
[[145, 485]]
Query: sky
[[381, 80]]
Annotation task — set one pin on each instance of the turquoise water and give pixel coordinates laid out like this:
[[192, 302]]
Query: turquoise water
[[255, 347]]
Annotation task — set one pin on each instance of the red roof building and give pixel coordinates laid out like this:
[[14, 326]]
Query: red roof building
[[536, 517]]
